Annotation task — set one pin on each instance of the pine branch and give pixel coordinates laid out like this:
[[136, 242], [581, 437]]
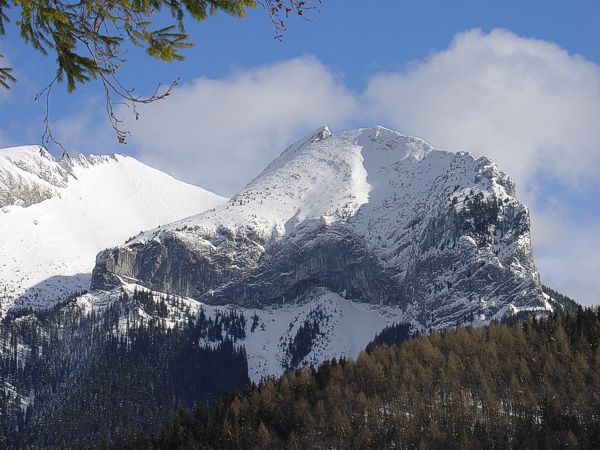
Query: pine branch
[[6, 76]]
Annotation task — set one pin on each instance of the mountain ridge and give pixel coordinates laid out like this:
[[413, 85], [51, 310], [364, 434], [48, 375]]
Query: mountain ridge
[[56, 215]]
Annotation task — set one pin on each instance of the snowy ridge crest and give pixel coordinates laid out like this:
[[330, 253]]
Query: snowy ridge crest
[[30, 174]]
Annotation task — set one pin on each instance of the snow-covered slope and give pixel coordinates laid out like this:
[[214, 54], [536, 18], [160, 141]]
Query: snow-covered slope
[[55, 216], [369, 214], [336, 327]]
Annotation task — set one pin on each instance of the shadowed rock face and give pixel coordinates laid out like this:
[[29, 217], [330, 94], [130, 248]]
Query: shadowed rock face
[[455, 276], [316, 256], [169, 265], [332, 257], [474, 262], [439, 234]]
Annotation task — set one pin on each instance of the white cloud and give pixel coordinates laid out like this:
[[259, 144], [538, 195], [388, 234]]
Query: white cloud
[[5, 62], [220, 133], [87, 131], [525, 103]]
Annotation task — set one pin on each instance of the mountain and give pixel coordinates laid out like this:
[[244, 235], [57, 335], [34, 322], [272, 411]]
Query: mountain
[[369, 215], [361, 237], [55, 216]]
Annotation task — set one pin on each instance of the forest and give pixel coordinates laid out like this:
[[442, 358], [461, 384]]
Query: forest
[[74, 377], [527, 385], [146, 371]]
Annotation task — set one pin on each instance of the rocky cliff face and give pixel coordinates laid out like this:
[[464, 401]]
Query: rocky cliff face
[[369, 214]]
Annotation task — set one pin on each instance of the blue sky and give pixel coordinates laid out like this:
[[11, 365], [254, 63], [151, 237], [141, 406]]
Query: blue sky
[[382, 34], [515, 80]]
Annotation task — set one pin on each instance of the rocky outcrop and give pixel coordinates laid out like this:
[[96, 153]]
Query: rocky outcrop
[[169, 265]]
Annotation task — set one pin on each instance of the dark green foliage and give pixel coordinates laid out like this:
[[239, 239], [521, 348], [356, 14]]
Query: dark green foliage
[[95, 376], [6, 73], [302, 343], [91, 40], [392, 335], [255, 321], [530, 385], [565, 303], [87, 37], [146, 301]]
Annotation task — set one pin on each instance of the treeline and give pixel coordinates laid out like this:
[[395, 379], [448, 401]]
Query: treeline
[[515, 386], [73, 377], [392, 335], [561, 301]]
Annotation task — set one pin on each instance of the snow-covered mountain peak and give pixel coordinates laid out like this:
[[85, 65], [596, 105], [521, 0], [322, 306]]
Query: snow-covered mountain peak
[[323, 177], [30, 174], [370, 214], [26, 157], [25, 152], [378, 175], [55, 216], [70, 162], [377, 139], [322, 133]]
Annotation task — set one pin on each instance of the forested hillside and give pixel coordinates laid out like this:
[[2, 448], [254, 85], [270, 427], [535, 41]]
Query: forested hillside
[[76, 377], [529, 385]]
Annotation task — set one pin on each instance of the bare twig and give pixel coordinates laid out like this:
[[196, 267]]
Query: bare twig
[[47, 135]]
